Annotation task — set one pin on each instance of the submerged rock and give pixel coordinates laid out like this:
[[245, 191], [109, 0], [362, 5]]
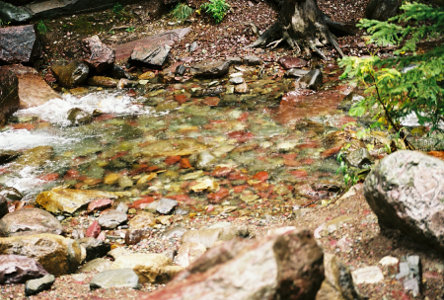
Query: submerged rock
[[58, 255], [70, 75], [287, 266], [405, 190], [103, 81], [78, 116], [18, 269], [296, 73], [29, 221], [61, 200]]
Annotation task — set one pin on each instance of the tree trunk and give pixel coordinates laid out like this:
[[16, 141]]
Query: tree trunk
[[303, 26]]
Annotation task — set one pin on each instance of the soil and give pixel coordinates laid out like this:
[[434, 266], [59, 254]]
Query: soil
[[357, 241]]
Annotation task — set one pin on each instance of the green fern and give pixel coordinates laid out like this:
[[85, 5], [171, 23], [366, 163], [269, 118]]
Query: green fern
[[396, 91], [217, 8], [182, 11]]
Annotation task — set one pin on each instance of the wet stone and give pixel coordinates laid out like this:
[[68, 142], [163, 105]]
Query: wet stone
[[313, 79], [35, 286], [165, 206], [119, 73], [12, 14], [180, 70], [234, 61], [359, 158], [3, 207], [288, 62], [78, 116], [296, 73], [112, 218], [70, 75], [252, 60], [7, 156], [97, 55], [115, 278], [103, 81]]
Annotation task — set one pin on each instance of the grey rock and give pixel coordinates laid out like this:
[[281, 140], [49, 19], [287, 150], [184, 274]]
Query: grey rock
[[29, 221], [153, 56], [94, 248], [18, 269], [122, 207], [18, 44], [236, 80], [371, 274], [296, 73], [95, 265], [359, 158], [210, 69], [176, 232], [205, 160], [119, 73], [193, 47], [405, 190], [252, 60], [382, 9], [115, 278], [35, 286], [189, 252], [165, 206], [12, 14], [313, 79], [410, 273], [180, 70], [98, 56], [112, 218], [11, 194], [234, 61], [9, 97]]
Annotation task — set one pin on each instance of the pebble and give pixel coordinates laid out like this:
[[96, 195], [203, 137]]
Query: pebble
[[371, 274], [35, 286], [115, 278], [166, 206], [112, 218]]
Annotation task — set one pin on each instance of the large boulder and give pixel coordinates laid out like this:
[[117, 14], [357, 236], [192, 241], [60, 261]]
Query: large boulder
[[18, 44], [9, 99], [98, 56], [286, 266], [61, 200], [70, 75], [58, 255], [406, 192], [382, 9], [18, 269], [33, 90], [29, 221], [12, 14]]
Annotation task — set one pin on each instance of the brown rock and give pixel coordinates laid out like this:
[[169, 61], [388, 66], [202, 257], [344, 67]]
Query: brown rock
[[58, 255], [211, 69], [287, 266], [17, 44], [19, 269], [33, 90], [288, 62], [70, 75], [134, 236], [29, 221], [98, 56], [9, 99], [3, 206], [142, 220], [103, 81]]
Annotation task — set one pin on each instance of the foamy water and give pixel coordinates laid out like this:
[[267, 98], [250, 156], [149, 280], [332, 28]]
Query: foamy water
[[23, 139], [56, 111]]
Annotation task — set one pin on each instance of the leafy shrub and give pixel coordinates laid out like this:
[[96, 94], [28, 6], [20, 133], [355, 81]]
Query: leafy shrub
[[411, 81], [217, 8], [41, 27], [118, 8], [182, 11]]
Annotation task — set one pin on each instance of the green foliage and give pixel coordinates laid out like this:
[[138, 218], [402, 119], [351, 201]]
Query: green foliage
[[118, 8], [41, 27], [350, 178], [217, 9], [130, 29], [182, 11], [395, 90]]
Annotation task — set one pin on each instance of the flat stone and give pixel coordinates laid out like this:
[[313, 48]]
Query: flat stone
[[29, 221], [296, 73], [103, 81], [112, 218], [17, 44], [210, 69], [61, 200], [236, 80], [242, 88], [142, 220], [35, 286], [152, 56], [166, 206], [58, 255], [252, 60], [115, 279], [371, 274], [289, 62], [153, 268], [18, 269], [99, 204]]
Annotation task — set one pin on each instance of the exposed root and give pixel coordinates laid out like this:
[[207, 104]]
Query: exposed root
[[274, 44], [317, 51]]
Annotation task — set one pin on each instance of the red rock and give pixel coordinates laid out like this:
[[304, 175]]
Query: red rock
[[93, 230], [307, 161], [290, 156], [142, 203], [27, 126], [331, 151], [239, 188], [288, 62], [49, 177], [185, 163], [261, 176], [171, 160], [185, 199], [102, 236], [237, 176], [241, 136], [291, 163], [221, 172], [217, 197], [209, 209], [299, 173], [181, 98], [309, 145], [211, 101], [98, 56], [99, 204]]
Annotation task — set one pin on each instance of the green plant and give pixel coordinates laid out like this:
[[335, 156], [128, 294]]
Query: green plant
[[118, 8], [182, 11], [350, 178], [130, 29], [409, 82], [41, 27], [217, 8]]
